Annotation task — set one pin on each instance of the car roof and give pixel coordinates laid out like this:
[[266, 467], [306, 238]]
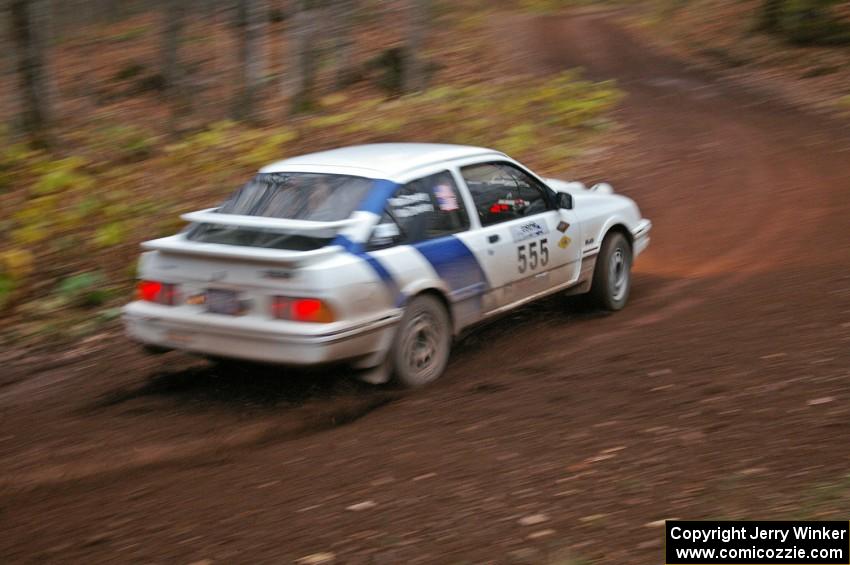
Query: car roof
[[379, 160]]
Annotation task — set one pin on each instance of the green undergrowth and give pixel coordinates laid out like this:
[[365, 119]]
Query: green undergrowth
[[74, 218]]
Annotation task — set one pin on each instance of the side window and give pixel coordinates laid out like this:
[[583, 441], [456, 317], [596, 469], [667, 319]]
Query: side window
[[502, 192], [422, 209]]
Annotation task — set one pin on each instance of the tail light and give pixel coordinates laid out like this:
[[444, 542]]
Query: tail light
[[155, 291], [301, 310]]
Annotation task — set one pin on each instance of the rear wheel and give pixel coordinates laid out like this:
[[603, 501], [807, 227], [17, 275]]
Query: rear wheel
[[612, 277], [422, 344]]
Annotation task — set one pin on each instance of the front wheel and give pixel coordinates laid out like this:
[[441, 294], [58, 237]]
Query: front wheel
[[421, 347], [612, 277]]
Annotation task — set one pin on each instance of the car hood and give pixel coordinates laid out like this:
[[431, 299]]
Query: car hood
[[581, 193]]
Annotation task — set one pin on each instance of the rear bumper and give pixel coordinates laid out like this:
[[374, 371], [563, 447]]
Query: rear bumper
[[267, 341]]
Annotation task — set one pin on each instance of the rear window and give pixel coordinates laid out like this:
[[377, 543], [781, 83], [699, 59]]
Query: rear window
[[291, 196]]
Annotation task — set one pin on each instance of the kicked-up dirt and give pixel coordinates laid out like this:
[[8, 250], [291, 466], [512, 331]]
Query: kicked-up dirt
[[558, 434]]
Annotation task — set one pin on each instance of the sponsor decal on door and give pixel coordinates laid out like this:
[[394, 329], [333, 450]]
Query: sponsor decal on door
[[527, 230]]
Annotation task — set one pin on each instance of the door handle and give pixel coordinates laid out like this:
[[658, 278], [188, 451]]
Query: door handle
[[493, 238]]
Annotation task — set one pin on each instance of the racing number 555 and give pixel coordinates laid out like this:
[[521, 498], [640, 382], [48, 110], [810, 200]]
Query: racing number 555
[[532, 260]]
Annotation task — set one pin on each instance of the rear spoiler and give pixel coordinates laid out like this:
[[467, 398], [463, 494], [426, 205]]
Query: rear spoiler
[[212, 216], [179, 245]]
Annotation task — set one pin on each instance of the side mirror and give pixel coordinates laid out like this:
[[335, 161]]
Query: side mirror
[[564, 200]]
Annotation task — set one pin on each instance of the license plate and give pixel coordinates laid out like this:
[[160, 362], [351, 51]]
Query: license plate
[[223, 302]]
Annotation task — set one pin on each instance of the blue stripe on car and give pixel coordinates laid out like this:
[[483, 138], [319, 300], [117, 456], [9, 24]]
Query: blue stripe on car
[[456, 265], [377, 197], [386, 277], [453, 262], [347, 244], [395, 293]]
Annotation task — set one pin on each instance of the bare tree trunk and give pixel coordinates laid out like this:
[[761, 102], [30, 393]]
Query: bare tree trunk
[[414, 62], [344, 43], [173, 29], [222, 57], [28, 18], [770, 15], [172, 70], [303, 69], [287, 76], [262, 57], [249, 27], [8, 67]]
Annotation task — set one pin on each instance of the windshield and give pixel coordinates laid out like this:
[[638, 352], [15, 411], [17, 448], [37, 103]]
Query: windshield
[[291, 196]]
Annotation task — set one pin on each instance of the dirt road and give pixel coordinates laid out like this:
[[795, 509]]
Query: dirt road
[[722, 391]]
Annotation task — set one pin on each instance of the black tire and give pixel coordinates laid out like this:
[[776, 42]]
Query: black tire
[[612, 276], [420, 350]]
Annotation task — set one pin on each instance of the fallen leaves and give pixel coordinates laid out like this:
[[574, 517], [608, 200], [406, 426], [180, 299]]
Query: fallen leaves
[[591, 518], [360, 506], [532, 519], [819, 401], [316, 558], [604, 455], [540, 534], [658, 523]]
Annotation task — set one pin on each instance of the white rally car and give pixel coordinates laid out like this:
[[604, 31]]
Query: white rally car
[[379, 255]]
